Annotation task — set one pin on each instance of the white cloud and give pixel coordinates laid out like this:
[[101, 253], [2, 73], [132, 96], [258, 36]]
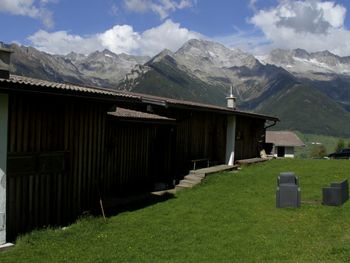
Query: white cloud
[[60, 42], [119, 39], [161, 7], [168, 35], [311, 24], [28, 8]]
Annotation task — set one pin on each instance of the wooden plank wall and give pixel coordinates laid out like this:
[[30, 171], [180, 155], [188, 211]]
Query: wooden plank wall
[[137, 156], [69, 134], [199, 135], [249, 137]]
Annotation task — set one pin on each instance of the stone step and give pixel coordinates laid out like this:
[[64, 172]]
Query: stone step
[[196, 176], [194, 172], [185, 185], [189, 182], [160, 193], [214, 169], [193, 177]]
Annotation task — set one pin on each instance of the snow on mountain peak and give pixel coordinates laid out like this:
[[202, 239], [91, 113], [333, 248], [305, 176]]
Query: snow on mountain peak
[[301, 62]]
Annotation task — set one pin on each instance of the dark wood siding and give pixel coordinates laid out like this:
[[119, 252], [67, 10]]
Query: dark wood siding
[[250, 138], [199, 135], [55, 153], [137, 156]]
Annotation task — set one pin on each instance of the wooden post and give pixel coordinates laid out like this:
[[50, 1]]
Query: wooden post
[[3, 157], [230, 140]]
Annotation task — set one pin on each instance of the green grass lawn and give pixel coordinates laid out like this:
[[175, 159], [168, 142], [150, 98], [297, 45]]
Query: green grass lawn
[[228, 218]]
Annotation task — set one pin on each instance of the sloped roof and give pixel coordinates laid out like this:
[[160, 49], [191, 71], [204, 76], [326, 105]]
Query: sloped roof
[[31, 82], [132, 114], [283, 138], [26, 84]]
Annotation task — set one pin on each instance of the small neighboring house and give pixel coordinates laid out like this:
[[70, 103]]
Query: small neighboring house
[[282, 143]]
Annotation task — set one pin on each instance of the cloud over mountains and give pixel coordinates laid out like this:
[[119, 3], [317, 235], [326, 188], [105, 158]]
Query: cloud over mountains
[[311, 25], [118, 39]]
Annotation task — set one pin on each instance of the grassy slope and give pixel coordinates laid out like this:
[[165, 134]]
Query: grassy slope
[[309, 111], [228, 218]]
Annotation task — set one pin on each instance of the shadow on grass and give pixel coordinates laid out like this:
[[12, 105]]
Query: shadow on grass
[[111, 206], [114, 206]]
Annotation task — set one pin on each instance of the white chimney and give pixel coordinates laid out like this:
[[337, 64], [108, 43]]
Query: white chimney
[[231, 100], [5, 55]]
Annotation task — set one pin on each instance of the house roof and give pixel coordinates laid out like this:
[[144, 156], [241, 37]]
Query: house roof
[[132, 114], [26, 84], [283, 138]]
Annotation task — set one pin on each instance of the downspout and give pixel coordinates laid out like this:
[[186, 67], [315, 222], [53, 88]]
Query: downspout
[[271, 125]]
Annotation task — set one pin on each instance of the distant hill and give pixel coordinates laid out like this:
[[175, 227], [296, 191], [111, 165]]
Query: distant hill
[[307, 110]]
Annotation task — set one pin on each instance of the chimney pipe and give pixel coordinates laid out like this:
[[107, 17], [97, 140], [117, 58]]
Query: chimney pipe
[[231, 100], [5, 56]]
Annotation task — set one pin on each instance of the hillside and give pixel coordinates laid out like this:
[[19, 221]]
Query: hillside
[[203, 71], [307, 110], [323, 70], [163, 76]]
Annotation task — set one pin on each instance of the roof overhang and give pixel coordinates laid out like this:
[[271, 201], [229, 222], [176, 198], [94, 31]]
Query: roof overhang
[[133, 100]]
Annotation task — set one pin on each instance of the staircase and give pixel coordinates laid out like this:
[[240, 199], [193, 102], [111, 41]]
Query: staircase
[[196, 176]]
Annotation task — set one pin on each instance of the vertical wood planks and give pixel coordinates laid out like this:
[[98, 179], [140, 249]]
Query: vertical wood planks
[[71, 129]]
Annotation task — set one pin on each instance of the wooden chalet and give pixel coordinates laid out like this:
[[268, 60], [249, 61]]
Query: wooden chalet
[[64, 146]]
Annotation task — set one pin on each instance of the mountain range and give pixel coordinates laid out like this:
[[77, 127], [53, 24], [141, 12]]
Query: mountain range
[[309, 92], [100, 68]]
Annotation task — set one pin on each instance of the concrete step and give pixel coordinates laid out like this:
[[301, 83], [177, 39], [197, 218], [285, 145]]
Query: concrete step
[[196, 176], [189, 182], [214, 169], [185, 185], [160, 193], [194, 172], [193, 177]]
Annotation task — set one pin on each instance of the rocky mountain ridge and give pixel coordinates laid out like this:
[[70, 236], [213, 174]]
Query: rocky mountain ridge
[[203, 71], [100, 68], [302, 63]]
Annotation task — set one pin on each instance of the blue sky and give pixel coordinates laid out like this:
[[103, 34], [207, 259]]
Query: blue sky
[[145, 27]]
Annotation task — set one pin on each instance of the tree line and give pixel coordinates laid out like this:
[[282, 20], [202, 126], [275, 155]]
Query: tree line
[[320, 151]]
